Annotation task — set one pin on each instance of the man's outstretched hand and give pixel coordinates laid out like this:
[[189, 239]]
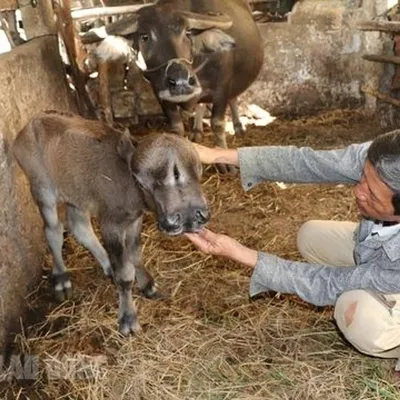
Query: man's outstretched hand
[[222, 245]]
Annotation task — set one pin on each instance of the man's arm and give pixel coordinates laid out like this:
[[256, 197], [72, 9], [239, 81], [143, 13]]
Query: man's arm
[[318, 284], [301, 165]]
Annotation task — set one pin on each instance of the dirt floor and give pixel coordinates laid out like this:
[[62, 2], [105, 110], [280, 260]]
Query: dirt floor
[[208, 341]]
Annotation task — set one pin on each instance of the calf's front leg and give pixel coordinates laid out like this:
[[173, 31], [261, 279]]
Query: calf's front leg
[[81, 227], [124, 275], [145, 281]]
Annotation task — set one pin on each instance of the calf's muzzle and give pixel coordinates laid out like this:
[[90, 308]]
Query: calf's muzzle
[[191, 220]]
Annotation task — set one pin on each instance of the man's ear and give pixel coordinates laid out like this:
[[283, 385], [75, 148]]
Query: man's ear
[[211, 41], [127, 147]]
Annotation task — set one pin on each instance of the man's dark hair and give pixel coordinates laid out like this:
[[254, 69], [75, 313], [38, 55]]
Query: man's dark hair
[[384, 155]]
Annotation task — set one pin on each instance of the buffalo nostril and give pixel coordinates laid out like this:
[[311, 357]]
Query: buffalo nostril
[[174, 219], [192, 81], [202, 216], [171, 82]]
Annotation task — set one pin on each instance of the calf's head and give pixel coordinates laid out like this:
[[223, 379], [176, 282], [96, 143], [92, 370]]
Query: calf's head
[[165, 43], [168, 170]]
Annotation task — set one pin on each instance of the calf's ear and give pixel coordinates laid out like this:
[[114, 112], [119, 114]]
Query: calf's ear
[[127, 147], [211, 41]]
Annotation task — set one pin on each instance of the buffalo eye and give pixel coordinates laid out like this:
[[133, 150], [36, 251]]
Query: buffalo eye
[[144, 37]]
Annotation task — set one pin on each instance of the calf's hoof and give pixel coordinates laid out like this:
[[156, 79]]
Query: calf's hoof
[[108, 272], [128, 324], [151, 292], [62, 287]]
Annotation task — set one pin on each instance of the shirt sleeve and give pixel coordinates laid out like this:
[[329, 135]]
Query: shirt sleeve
[[319, 284], [301, 165]]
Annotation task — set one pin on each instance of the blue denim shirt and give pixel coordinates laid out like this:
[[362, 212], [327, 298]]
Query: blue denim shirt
[[377, 261]]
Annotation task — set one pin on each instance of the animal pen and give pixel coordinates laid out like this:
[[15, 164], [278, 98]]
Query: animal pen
[[330, 78]]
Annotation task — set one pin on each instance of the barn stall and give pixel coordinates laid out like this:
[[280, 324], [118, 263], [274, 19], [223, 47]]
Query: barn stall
[[329, 79]]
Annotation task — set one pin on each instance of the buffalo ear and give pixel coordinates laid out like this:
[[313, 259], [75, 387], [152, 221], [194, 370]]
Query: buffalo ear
[[123, 27], [211, 41], [126, 147]]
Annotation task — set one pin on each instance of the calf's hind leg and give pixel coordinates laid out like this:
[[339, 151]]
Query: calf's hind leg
[[81, 227], [53, 229]]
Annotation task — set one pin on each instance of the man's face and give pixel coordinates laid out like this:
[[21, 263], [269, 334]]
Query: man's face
[[373, 196]]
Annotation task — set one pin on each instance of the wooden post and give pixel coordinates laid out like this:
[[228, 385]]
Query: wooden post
[[9, 25], [104, 93], [38, 18], [75, 54]]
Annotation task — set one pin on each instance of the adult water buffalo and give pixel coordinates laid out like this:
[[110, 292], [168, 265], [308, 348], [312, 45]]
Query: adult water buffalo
[[192, 51]]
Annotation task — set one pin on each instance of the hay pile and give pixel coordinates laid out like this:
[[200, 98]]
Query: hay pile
[[208, 341]]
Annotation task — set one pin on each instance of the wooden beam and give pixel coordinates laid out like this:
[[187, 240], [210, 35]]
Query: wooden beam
[[381, 96], [382, 59], [383, 26], [98, 12]]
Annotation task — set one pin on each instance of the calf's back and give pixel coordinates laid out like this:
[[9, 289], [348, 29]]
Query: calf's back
[[78, 159]]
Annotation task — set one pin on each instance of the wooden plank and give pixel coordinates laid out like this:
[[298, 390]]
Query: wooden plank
[[383, 26], [382, 59], [8, 5]]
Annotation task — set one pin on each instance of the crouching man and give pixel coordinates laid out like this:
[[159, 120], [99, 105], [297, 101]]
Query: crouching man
[[354, 266]]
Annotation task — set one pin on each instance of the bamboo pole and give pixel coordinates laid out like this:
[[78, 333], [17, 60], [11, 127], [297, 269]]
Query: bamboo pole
[[381, 96], [382, 59]]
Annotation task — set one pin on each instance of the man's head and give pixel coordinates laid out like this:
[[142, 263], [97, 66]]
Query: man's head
[[378, 193]]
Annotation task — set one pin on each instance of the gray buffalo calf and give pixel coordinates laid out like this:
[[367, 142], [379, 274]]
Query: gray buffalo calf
[[97, 171]]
